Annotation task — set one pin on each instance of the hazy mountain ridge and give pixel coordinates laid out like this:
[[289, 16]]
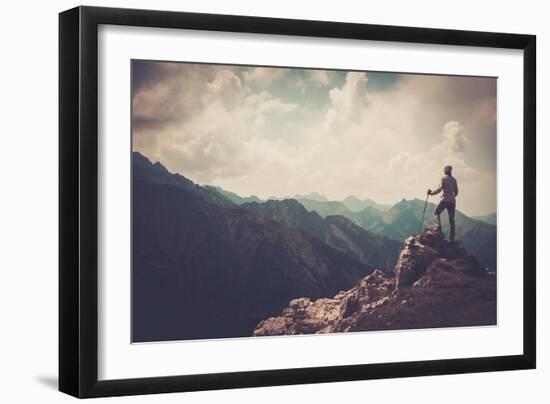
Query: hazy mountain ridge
[[325, 209], [314, 201], [357, 205], [489, 219], [313, 196], [337, 231], [396, 223], [403, 220], [232, 196]]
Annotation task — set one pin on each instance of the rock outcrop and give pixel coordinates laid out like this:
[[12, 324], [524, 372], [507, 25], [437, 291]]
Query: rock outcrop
[[436, 284]]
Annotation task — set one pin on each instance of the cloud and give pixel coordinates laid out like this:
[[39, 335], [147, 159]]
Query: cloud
[[352, 96], [321, 78], [454, 137], [223, 125], [399, 163], [478, 187], [219, 139], [226, 87], [348, 102], [264, 75]]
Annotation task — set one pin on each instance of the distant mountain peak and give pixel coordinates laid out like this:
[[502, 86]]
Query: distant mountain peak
[[138, 157], [287, 211], [354, 204], [352, 198], [146, 171], [142, 161], [313, 196], [409, 203], [287, 202], [160, 167], [232, 196]]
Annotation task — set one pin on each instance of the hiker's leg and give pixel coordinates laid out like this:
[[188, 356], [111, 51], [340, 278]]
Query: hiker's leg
[[451, 210], [437, 219], [437, 215]]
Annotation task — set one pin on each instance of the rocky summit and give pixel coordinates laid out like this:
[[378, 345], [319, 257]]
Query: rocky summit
[[436, 284]]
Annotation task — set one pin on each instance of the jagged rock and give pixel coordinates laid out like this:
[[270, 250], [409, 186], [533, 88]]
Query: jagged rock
[[302, 316], [421, 251], [436, 284]]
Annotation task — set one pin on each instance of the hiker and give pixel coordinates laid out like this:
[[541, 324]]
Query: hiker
[[449, 187]]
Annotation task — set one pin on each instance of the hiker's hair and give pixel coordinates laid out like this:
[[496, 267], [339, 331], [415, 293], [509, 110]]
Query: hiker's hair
[[448, 168]]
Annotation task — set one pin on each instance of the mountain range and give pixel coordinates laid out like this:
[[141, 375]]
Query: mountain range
[[205, 268], [357, 205], [403, 219], [350, 203], [232, 196], [399, 221], [208, 263], [490, 218], [336, 231]]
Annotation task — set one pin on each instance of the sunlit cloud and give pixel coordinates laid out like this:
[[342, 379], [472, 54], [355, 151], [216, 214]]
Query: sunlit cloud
[[264, 75], [224, 125], [321, 78]]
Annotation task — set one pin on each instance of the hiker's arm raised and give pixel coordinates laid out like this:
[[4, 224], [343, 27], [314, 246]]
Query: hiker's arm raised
[[438, 190]]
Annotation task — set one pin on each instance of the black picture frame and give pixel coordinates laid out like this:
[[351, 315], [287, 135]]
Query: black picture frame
[[78, 201]]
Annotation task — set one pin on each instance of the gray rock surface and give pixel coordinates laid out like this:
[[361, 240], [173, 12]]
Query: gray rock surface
[[436, 284]]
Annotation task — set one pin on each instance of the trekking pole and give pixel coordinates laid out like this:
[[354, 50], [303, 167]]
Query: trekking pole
[[423, 213]]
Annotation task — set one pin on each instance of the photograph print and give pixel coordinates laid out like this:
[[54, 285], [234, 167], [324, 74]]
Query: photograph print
[[271, 201]]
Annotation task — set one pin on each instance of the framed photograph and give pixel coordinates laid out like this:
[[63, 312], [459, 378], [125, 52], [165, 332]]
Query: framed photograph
[[250, 201]]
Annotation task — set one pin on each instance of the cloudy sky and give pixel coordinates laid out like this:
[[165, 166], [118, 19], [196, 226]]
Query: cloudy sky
[[281, 132]]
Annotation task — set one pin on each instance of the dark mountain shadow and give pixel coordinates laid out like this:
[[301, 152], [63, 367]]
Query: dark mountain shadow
[[203, 268], [337, 231]]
